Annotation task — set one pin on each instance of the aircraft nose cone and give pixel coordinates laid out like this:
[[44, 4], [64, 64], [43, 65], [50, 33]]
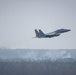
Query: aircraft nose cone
[[68, 30]]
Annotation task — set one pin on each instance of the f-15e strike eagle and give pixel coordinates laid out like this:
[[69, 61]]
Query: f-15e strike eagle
[[40, 34]]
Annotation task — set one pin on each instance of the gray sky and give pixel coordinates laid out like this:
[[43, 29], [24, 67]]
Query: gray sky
[[19, 18]]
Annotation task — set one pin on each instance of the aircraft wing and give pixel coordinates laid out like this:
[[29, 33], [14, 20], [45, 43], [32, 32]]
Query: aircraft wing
[[51, 33]]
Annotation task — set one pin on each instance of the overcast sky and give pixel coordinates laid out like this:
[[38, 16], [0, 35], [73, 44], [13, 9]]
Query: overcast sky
[[19, 18]]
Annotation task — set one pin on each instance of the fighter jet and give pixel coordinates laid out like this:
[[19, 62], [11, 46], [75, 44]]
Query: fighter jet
[[41, 34]]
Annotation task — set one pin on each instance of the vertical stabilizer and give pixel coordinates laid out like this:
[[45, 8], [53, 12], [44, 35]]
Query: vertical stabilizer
[[41, 33], [37, 33]]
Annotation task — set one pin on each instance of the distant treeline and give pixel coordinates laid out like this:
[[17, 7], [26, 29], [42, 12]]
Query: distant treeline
[[38, 68]]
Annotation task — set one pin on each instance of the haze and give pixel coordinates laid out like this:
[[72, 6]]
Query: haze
[[19, 18]]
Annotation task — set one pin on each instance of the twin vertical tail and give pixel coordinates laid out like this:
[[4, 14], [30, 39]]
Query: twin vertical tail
[[39, 34]]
